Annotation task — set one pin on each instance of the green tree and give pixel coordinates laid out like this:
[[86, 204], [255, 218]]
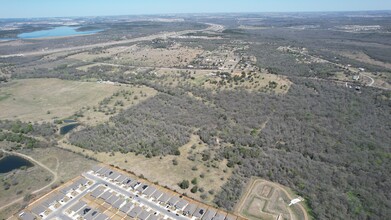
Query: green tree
[[184, 184], [194, 181], [194, 189]]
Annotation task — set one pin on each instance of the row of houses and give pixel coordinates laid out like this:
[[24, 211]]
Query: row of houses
[[169, 200], [54, 201], [82, 211], [123, 205]]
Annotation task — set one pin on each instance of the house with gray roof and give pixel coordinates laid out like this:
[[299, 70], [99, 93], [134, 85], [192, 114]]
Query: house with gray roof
[[121, 178], [144, 215], [153, 217], [230, 217], [74, 186], [126, 208], [199, 212], [27, 216], [142, 187], [219, 216], [66, 190], [134, 184], [96, 192], [96, 168], [149, 191], [181, 204], [82, 182], [209, 214], [108, 173], [112, 199], [114, 175], [119, 202], [84, 211], [39, 210], [102, 171], [106, 195], [135, 212], [157, 194], [173, 200], [53, 200], [92, 214], [127, 181], [102, 216], [190, 209], [78, 206], [164, 198]]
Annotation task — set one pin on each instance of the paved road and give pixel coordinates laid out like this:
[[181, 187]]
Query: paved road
[[60, 213], [141, 200]]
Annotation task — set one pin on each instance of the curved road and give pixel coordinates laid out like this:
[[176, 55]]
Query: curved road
[[40, 164], [251, 186], [372, 80]]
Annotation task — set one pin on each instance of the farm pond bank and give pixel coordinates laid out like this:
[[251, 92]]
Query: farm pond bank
[[12, 162]]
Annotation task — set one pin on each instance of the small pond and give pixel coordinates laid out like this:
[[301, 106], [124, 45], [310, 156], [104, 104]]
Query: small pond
[[69, 121], [12, 162], [67, 128]]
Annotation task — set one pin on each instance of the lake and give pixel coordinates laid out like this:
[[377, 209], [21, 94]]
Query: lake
[[64, 31], [12, 162]]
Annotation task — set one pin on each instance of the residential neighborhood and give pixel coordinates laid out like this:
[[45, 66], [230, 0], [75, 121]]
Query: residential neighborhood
[[107, 193]]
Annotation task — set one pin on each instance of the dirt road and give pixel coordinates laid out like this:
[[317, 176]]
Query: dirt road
[[254, 182], [55, 177]]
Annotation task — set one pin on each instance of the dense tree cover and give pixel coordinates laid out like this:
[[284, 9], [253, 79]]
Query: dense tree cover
[[329, 144], [25, 133], [157, 126], [35, 129]]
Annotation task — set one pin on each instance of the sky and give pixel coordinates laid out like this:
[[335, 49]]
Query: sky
[[64, 8]]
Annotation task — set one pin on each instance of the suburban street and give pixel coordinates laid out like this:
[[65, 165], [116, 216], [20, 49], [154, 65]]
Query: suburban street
[[140, 199], [60, 212]]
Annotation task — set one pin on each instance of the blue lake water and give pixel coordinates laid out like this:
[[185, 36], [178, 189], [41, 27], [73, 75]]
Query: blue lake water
[[64, 31], [7, 39], [11, 162]]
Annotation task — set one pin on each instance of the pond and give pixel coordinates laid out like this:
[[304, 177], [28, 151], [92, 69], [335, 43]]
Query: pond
[[67, 128], [12, 162], [69, 121], [56, 32]]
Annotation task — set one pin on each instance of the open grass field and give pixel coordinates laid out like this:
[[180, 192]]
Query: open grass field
[[114, 103], [363, 57], [141, 55], [213, 175], [67, 164], [46, 99], [267, 200], [260, 81]]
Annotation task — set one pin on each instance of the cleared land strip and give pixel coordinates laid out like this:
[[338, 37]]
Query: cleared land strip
[[240, 206]]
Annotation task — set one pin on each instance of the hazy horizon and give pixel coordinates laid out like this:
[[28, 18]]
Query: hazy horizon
[[72, 8]]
